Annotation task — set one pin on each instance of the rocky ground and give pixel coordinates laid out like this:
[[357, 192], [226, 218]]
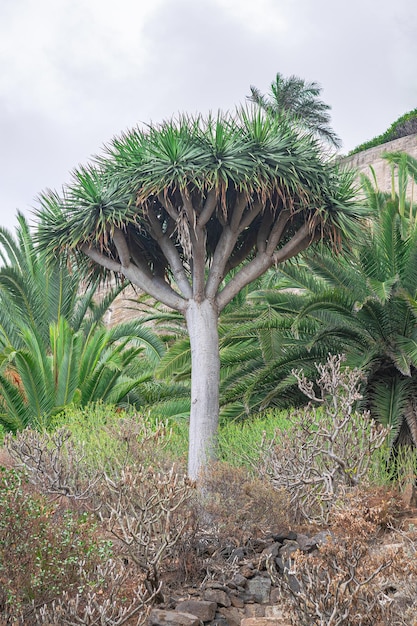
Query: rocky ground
[[244, 584]]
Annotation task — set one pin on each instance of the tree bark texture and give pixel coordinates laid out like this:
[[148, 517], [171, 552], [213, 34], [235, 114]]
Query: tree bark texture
[[202, 323]]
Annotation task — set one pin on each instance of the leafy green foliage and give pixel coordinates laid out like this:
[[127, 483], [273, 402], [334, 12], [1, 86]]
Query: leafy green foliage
[[297, 101], [361, 304], [142, 176], [54, 349]]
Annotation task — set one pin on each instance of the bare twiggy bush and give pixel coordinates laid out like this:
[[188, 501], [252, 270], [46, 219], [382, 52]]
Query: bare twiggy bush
[[54, 464], [146, 511], [333, 589], [326, 451], [59, 464], [113, 601]]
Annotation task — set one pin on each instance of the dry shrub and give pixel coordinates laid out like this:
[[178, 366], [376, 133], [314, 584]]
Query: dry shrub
[[146, 511], [341, 584], [355, 578], [118, 598], [53, 463], [377, 504], [325, 452], [240, 506], [143, 509]]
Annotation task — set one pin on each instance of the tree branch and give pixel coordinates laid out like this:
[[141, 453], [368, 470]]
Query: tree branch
[[277, 230], [240, 255], [263, 261], [141, 277], [225, 245], [100, 258], [262, 236], [171, 254], [243, 277], [198, 247], [248, 218], [155, 287], [302, 239], [240, 204], [122, 247], [208, 209], [221, 255]]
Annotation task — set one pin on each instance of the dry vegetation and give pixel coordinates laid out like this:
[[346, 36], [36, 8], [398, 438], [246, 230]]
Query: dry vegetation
[[100, 541]]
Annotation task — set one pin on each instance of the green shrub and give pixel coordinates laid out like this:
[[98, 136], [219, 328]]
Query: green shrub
[[111, 436], [402, 127], [44, 550], [240, 442]]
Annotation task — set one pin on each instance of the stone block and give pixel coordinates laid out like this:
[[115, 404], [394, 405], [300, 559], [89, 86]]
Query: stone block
[[260, 587], [159, 617], [202, 609], [218, 596]]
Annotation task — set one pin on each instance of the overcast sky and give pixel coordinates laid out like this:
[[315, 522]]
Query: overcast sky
[[74, 73]]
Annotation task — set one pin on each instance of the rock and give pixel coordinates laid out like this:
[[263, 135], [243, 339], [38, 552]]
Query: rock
[[159, 617], [237, 601], [218, 596], [254, 610], [274, 611], [272, 549], [202, 609], [232, 615], [321, 538], [219, 620], [247, 571], [237, 581], [260, 587], [281, 537], [237, 555], [275, 596], [288, 549]]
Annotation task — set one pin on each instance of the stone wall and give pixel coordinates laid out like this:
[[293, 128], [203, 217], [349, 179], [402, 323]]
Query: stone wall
[[373, 157]]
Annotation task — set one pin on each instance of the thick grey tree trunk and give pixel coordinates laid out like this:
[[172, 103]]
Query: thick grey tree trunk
[[202, 323]]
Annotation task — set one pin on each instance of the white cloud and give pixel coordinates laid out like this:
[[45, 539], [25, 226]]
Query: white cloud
[[264, 17], [76, 72]]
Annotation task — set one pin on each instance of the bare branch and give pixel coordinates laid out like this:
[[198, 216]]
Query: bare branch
[[208, 209], [171, 255], [122, 247], [143, 511], [155, 286], [250, 216], [277, 231], [100, 258], [262, 235], [238, 209], [300, 241], [240, 255], [243, 277]]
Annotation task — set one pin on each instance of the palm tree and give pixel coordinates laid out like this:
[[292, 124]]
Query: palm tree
[[193, 210], [298, 101], [54, 349], [363, 305]]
